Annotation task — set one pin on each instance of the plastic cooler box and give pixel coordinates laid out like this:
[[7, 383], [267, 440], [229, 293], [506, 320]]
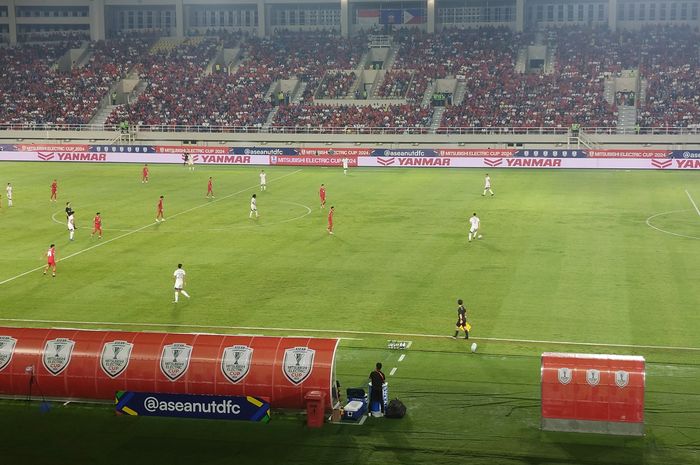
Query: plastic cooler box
[[354, 410]]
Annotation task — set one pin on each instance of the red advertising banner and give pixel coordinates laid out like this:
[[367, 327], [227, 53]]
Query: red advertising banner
[[476, 152], [628, 153], [320, 151], [593, 393], [191, 149], [53, 147], [321, 160], [77, 364]]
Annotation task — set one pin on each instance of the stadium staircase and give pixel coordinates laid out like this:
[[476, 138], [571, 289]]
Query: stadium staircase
[[391, 57], [550, 60], [460, 92], [428, 95], [609, 90], [270, 118], [437, 119], [102, 114], [643, 86], [521, 61], [299, 93], [626, 119], [381, 76]]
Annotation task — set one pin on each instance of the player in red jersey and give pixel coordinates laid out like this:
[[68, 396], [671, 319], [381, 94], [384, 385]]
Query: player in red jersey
[[330, 220], [210, 189], [54, 188], [159, 215], [322, 194], [97, 221], [144, 174], [51, 260]]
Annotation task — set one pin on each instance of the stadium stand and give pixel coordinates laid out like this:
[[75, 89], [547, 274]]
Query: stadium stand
[[181, 91]]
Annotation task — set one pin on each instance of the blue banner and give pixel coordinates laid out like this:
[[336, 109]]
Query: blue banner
[[264, 151], [122, 148], [551, 153], [8, 147], [391, 17], [246, 408], [405, 153], [687, 154]]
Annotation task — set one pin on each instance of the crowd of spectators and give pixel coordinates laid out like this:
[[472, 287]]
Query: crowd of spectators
[[181, 93], [670, 62], [34, 91], [499, 96], [353, 117], [336, 84], [181, 90], [395, 84]]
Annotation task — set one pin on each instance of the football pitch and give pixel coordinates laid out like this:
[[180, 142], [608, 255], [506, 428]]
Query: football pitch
[[573, 261]]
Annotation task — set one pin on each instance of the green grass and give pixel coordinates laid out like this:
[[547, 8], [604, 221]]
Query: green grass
[[567, 256]]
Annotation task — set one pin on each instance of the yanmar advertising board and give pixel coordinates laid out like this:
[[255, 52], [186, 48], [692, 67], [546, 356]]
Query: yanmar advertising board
[[525, 162], [109, 157]]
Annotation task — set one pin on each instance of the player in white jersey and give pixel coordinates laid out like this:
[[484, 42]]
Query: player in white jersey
[[71, 225], [253, 206], [179, 276], [190, 162], [263, 181], [487, 186], [474, 223], [345, 165], [9, 194]]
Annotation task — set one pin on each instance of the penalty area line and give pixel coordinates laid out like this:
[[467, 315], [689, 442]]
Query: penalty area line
[[346, 331], [100, 244]]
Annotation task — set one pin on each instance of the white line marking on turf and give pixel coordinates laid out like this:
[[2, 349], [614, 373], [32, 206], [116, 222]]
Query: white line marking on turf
[[99, 244], [668, 232], [347, 331], [403, 356], [53, 218], [393, 370], [692, 201]]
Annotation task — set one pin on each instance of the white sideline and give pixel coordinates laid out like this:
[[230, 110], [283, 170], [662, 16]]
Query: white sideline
[[99, 244], [692, 201], [346, 331]]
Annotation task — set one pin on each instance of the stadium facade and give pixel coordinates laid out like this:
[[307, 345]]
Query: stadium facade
[[100, 19]]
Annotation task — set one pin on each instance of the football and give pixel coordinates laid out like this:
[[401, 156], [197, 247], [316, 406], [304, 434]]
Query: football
[[480, 236], [473, 347]]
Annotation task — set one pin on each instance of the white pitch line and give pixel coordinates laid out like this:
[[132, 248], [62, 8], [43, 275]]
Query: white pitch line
[[668, 232], [692, 201], [403, 356], [100, 244], [346, 331], [393, 370]]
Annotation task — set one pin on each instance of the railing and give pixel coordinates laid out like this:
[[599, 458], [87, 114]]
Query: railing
[[171, 128]]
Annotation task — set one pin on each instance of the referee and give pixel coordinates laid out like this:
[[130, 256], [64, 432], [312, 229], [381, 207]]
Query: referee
[[461, 320]]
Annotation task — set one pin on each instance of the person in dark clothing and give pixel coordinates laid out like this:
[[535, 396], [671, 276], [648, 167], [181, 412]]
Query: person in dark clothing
[[461, 320], [377, 378]]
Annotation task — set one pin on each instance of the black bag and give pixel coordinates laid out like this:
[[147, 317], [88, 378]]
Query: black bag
[[395, 409]]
